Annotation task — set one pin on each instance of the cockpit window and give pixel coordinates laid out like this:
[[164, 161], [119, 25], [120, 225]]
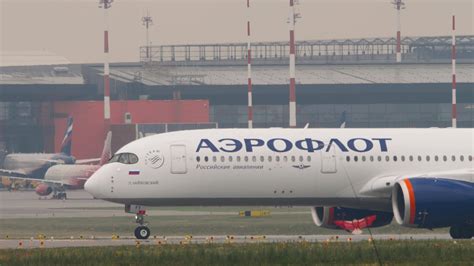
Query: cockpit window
[[114, 158], [125, 158]]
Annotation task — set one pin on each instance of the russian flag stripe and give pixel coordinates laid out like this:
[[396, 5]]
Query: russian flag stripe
[[134, 172]]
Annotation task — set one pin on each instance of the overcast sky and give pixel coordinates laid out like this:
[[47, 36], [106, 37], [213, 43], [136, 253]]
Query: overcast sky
[[73, 28]]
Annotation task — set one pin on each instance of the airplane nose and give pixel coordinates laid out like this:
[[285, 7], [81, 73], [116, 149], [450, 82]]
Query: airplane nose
[[92, 185]]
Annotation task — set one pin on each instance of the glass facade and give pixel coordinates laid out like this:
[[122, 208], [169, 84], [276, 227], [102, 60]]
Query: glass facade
[[391, 115]]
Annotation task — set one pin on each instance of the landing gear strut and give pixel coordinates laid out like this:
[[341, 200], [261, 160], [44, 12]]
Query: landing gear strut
[[142, 231], [59, 193], [461, 231]]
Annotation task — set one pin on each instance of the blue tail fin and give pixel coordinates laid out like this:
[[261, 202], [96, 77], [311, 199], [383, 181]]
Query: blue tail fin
[[67, 141]]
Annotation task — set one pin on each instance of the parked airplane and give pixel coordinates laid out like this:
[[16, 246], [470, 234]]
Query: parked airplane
[[35, 165], [351, 178], [58, 178]]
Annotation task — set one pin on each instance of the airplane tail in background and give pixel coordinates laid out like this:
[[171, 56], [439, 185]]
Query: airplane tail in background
[[107, 151], [67, 141]]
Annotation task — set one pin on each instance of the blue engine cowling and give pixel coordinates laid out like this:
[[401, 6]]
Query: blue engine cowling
[[325, 216], [433, 202]]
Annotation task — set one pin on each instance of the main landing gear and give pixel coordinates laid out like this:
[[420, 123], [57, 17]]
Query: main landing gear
[[59, 193], [142, 231], [463, 231]]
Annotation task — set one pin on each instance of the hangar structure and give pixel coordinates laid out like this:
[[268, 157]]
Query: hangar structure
[[206, 85]]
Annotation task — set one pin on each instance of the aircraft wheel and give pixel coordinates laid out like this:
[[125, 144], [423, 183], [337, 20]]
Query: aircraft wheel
[[142, 232]]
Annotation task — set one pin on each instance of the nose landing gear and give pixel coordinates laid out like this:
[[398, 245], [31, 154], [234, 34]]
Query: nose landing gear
[[142, 231]]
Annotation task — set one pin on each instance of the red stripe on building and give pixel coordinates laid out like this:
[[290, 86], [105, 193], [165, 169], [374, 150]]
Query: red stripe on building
[[292, 90]]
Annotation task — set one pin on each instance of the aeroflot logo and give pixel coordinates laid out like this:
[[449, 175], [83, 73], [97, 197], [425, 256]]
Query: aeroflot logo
[[285, 145]]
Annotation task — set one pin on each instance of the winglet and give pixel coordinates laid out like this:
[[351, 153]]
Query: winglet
[[107, 151], [67, 141]]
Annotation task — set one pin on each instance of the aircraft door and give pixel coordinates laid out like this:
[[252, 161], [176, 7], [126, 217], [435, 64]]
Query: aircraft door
[[178, 159], [328, 161]]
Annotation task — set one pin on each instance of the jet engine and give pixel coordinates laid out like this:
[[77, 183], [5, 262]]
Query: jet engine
[[433, 202], [43, 190], [328, 217]]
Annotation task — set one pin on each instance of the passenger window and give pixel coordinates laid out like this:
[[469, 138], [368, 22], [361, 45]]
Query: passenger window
[[395, 158], [246, 158], [363, 158], [387, 158], [356, 158], [238, 159], [379, 158], [285, 158], [254, 158], [262, 158], [436, 158], [453, 158], [222, 159], [198, 159], [231, 158], [445, 158], [293, 158], [348, 158], [461, 158], [301, 158], [411, 158], [470, 158], [419, 158], [402, 158], [308, 158], [214, 158], [269, 158], [277, 158], [427, 158], [371, 158]]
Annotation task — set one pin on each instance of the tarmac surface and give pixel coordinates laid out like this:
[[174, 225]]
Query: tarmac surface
[[26, 204], [186, 240]]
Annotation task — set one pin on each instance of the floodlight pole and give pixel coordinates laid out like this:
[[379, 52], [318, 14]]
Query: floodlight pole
[[453, 63], [147, 22], [399, 5], [292, 103], [249, 69], [106, 4]]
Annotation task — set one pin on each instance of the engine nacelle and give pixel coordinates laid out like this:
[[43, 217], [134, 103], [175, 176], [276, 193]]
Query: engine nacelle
[[325, 216], [433, 202], [43, 190]]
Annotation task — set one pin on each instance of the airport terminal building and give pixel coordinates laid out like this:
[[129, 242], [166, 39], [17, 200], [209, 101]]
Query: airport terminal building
[[193, 85]]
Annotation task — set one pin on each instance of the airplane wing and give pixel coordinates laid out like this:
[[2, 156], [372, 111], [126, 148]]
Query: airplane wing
[[382, 186], [88, 161], [52, 161], [47, 181], [12, 173]]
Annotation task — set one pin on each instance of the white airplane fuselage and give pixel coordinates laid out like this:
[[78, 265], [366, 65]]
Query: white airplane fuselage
[[306, 167], [73, 176]]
